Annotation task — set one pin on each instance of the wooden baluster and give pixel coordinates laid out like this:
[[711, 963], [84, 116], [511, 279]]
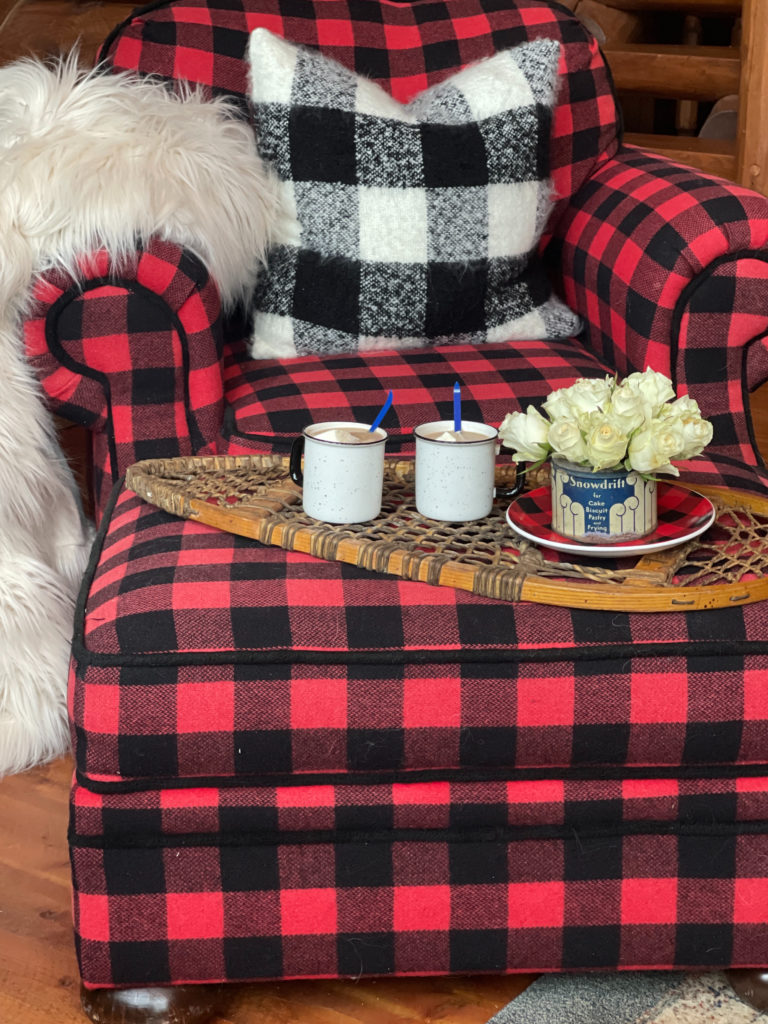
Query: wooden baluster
[[687, 117], [752, 156]]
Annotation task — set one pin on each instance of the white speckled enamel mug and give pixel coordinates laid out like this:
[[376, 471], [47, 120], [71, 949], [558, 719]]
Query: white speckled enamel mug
[[343, 472], [454, 478]]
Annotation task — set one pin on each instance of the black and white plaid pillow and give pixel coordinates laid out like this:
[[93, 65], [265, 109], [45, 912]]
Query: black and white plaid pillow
[[407, 224]]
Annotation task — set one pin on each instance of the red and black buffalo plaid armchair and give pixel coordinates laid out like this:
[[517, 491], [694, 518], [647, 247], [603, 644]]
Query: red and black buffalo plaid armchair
[[288, 767]]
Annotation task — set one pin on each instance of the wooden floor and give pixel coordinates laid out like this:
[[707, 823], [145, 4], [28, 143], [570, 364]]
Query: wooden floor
[[38, 972]]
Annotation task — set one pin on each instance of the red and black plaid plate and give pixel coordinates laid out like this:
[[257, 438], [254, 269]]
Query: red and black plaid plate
[[683, 515]]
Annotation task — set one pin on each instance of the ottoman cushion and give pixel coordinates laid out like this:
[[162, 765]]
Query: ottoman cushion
[[203, 656]]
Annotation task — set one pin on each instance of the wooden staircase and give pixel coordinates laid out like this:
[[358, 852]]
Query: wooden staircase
[[691, 74], [646, 69]]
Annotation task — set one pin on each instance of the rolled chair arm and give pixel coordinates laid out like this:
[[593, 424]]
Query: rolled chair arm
[[669, 269], [131, 350]]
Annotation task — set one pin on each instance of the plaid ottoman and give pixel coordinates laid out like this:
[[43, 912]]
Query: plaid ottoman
[[288, 767]]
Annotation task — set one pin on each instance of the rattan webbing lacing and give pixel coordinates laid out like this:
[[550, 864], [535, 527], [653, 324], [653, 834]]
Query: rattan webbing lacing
[[253, 495]]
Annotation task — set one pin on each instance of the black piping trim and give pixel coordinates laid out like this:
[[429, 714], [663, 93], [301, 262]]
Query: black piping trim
[[109, 42], [65, 359], [463, 656], [698, 282], [75, 292], [587, 773], [505, 834]]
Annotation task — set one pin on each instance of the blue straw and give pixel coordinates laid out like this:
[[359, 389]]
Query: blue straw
[[456, 407], [382, 413]]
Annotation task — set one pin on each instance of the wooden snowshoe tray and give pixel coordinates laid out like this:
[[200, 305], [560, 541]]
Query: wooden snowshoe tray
[[253, 496]]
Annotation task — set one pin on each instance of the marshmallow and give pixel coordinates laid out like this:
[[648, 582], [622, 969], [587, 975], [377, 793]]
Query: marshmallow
[[341, 436], [461, 435]]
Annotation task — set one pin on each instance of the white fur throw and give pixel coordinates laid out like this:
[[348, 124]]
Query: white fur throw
[[91, 161]]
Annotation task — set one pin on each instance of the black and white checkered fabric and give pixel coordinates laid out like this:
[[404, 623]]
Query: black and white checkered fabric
[[407, 224]]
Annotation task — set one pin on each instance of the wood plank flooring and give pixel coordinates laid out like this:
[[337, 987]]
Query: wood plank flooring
[[38, 972]]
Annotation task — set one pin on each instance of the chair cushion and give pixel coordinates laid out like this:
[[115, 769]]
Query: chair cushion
[[406, 225], [201, 655], [271, 400]]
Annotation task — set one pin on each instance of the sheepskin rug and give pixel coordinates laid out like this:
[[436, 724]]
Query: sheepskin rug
[[91, 160]]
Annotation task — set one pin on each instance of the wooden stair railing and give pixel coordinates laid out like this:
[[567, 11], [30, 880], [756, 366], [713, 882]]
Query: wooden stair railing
[[752, 140], [699, 73]]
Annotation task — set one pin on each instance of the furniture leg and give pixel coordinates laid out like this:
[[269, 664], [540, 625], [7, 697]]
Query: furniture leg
[[751, 986], [177, 1004]]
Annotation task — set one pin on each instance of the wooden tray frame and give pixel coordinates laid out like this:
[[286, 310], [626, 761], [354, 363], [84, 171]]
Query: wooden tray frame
[[274, 517]]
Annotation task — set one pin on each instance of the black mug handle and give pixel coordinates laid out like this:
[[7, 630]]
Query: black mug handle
[[508, 493], [297, 450]]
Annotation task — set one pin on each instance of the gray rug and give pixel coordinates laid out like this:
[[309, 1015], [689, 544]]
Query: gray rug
[[642, 997]]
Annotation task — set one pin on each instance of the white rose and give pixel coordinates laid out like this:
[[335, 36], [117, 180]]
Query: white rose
[[557, 406], [627, 409], [584, 396], [526, 434], [697, 432], [654, 388], [683, 407], [606, 442], [652, 449], [566, 439]]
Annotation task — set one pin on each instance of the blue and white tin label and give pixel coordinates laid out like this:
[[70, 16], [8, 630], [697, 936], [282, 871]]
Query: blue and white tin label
[[601, 507]]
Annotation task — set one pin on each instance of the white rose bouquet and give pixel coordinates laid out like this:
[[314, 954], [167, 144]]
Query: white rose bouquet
[[603, 424]]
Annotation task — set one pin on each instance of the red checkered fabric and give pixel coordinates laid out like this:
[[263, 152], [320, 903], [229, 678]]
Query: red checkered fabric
[[419, 878], [271, 401], [204, 655], [133, 352], [294, 768], [669, 268], [403, 47]]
